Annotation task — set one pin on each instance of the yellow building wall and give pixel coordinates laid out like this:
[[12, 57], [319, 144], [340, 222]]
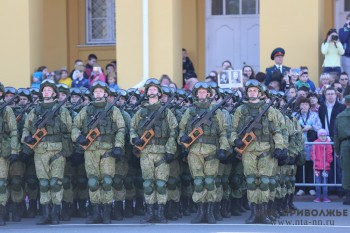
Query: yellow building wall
[[299, 28]]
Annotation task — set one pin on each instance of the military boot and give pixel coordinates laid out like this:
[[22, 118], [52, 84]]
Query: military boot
[[224, 208], [95, 216], [245, 202], [185, 204], [55, 214], [23, 209], [107, 208], [192, 206], [279, 207], [2, 215], [291, 202], [210, 213], [170, 210], [139, 207], [160, 218], [347, 197], [235, 207], [16, 217], [253, 218], [217, 211], [285, 207], [66, 214], [177, 210], [128, 212], [45, 218], [200, 217], [74, 211], [117, 213], [240, 205], [149, 217], [32, 208], [263, 214], [82, 213], [270, 211]]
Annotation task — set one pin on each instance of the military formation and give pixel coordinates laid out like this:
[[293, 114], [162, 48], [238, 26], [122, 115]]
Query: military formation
[[105, 154]]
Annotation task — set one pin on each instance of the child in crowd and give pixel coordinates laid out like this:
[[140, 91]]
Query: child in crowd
[[112, 80], [322, 155]]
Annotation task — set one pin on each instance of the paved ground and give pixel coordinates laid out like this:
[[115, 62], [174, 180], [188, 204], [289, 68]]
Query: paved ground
[[312, 217]]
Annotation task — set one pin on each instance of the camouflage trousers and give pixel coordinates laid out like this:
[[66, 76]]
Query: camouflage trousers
[[225, 181], [16, 178], [47, 167], [186, 179], [201, 168], [174, 181], [237, 180], [68, 194], [273, 188], [218, 183], [79, 182], [31, 181], [121, 170], [257, 167], [98, 166], [4, 168], [152, 172]]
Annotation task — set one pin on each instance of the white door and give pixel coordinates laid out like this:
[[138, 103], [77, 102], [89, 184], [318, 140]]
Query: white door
[[341, 10], [232, 33]]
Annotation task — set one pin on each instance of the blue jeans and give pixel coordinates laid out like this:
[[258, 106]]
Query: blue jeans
[[332, 69], [319, 179]]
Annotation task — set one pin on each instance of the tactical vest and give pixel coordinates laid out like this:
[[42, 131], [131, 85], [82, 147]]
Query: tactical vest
[[55, 131], [161, 127], [107, 126], [210, 132], [249, 112]]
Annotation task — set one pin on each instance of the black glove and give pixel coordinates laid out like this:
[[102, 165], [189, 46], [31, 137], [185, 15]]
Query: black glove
[[282, 162], [13, 158], [280, 154], [82, 140], [238, 143], [76, 159], [169, 157], [137, 141], [117, 152], [29, 140], [185, 139], [184, 153], [222, 155]]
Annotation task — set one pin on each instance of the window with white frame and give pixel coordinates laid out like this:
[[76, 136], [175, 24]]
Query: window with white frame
[[100, 22], [234, 7]]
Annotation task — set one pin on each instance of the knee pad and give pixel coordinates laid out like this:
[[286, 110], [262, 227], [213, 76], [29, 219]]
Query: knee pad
[[161, 186], [171, 184], [264, 183], [218, 181], [128, 182], [55, 184], [282, 181], [292, 180], [272, 184], [16, 183], [251, 182], [3, 185], [277, 180], [138, 182], [32, 182], [93, 183], [186, 180], [118, 182], [66, 182], [224, 182], [44, 185], [82, 182], [287, 182], [107, 183], [148, 187], [198, 184], [235, 182], [209, 183]]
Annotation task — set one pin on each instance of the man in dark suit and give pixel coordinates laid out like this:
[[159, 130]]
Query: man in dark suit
[[328, 112], [277, 56]]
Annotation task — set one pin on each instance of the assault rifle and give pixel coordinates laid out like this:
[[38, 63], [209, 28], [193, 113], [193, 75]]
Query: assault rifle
[[236, 105], [5, 103], [151, 120], [288, 104], [46, 119], [247, 131], [204, 118], [96, 120], [25, 109]]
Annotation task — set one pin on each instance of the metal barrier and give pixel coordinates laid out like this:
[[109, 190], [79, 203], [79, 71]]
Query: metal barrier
[[334, 184]]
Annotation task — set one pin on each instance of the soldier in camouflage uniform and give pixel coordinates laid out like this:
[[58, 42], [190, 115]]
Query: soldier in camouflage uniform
[[205, 152], [257, 158], [156, 155], [9, 148], [50, 152], [101, 155]]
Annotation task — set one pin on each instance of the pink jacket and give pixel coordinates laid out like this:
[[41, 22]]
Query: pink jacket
[[317, 155]]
